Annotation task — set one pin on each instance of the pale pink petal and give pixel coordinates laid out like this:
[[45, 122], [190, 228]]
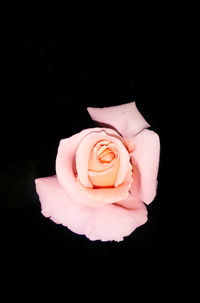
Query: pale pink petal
[[136, 180], [57, 205], [108, 223], [126, 118], [114, 222], [86, 145], [146, 156], [65, 171], [130, 145]]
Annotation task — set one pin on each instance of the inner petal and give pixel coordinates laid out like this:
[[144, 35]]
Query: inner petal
[[106, 156], [103, 164], [104, 178], [90, 142]]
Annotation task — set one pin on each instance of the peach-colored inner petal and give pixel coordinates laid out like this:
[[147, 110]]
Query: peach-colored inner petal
[[106, 156], [109, 194], [103, 164]]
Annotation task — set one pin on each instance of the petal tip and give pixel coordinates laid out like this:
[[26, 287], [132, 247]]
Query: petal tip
[[89, 109], [38, 181]]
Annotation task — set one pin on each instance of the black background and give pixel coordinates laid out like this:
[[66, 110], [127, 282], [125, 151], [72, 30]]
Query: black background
[[49, 83]]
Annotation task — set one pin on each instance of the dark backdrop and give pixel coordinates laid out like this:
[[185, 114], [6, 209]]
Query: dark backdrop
[[50, 84]]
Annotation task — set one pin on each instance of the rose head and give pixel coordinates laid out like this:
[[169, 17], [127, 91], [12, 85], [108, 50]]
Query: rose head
[[104, 176]]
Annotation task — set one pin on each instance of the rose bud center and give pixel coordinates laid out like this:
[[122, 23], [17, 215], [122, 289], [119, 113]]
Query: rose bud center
[[103, 164]]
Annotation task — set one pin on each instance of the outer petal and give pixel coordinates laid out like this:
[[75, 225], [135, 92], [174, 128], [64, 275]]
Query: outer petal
[[125, 118], [146, 158], [57, 205], [114, 222], [108, 223]]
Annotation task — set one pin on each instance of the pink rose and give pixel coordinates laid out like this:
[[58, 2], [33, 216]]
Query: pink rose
[[104, 176]]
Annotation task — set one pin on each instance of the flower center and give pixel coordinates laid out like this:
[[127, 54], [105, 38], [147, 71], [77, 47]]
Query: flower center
[[103, 164], [105, 154]]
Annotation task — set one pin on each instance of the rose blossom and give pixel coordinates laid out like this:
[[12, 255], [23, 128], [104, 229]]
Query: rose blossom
[[104, 176]]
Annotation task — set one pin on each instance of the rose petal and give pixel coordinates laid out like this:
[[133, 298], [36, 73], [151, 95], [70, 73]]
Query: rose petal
[[125, 118], [57, 205], [106, 177], [114, 222], [110, 195], [136, 180], [86, 145], [130, 145], [146, 157], [64, 168], [108, 223]]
